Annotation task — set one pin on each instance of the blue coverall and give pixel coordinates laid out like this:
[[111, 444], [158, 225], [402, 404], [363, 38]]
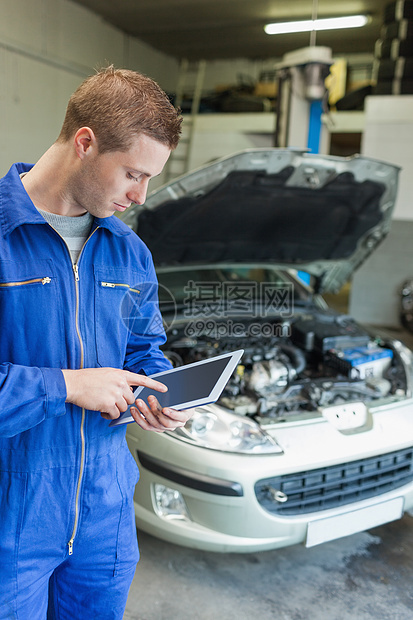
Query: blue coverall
[[67, 527]]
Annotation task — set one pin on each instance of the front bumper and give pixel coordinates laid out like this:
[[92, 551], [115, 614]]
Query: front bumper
[[220, 489]]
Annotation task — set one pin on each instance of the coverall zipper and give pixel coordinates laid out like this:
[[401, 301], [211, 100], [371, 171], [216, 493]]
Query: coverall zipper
[[82, 423], [45, 280], [116, 284]]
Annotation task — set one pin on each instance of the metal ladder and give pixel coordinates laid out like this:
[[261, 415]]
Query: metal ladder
[[190, 82]]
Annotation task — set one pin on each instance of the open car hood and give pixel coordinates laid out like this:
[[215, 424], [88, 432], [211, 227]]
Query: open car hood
[[320, 214]]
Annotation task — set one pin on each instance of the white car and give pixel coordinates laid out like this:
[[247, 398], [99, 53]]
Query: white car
[[312, 438]]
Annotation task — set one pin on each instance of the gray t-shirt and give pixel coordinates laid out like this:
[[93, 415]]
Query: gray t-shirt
[[74, 230]]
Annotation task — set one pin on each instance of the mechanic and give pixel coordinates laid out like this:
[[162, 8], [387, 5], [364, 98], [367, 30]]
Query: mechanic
[[80, 329]]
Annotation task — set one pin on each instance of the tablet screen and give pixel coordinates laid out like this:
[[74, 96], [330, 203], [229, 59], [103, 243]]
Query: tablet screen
[[197, 382]]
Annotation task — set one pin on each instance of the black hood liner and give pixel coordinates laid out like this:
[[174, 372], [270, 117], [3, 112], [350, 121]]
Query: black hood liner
[[253, 216]]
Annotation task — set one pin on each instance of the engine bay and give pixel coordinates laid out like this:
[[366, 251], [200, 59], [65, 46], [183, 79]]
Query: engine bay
[[316, 359]]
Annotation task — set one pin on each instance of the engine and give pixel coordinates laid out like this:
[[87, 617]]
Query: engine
[[316, 360]]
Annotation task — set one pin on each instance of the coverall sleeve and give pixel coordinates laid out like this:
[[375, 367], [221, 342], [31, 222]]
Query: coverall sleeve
[[146, 333], [28, 396]]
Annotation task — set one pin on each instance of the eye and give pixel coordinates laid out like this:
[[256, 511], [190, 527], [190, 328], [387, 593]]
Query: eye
[[130, 176]]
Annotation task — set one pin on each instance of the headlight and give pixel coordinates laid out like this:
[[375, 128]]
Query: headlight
[[217, 429]]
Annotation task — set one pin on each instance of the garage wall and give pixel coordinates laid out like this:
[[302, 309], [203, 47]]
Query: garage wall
[[388, 135], [47, 47]]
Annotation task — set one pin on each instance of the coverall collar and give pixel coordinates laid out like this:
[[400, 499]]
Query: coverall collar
[[23, 210]]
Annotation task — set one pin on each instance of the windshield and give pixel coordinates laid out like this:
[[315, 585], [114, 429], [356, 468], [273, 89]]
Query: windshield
[[230, 285]]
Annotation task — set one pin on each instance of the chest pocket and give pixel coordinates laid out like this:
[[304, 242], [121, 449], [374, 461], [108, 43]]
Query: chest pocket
[[119, 295], [31, 316]]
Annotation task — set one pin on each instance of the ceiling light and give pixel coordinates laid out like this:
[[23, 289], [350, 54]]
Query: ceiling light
[[333, 23]]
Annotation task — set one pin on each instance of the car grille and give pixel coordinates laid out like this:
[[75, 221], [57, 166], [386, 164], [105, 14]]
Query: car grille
[[321, 489]]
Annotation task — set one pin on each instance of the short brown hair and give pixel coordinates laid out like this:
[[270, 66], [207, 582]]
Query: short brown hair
[[118, 104]]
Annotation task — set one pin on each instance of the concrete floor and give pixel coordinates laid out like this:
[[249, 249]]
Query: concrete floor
[[366, 576]]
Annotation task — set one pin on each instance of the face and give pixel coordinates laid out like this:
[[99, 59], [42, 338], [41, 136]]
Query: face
[[114, 181]]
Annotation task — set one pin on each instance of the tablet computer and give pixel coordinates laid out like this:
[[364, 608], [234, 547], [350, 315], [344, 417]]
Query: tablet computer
[[191, 385]]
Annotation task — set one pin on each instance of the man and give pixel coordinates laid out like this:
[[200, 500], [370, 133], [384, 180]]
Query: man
[[69, 358]]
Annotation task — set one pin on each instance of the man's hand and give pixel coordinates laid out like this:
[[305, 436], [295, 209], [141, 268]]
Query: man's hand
[[110, 391], [154, 418], [107, 390]]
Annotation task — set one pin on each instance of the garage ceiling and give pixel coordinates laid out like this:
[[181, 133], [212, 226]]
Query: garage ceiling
[[223, 29]]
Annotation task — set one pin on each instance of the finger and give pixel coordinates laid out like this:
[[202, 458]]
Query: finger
[[135, 379], [180, 417], [152, 414], [129, 396], [152, 411], [111, 414], [141, 420], [123, 403], [166, 417]]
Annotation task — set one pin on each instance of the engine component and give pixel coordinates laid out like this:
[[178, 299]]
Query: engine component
[[268, 375], [382, 386], [327, 331], [276, 373], [361, 362], [243, 405], [321, 361]]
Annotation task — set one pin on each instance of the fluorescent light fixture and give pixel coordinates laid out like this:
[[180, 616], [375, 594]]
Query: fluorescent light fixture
[[333, 23]]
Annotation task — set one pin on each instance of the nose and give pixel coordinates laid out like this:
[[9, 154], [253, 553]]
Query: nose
[[137, 193]]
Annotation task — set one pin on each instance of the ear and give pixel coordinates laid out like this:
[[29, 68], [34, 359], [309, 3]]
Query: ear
[[85, 142]]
